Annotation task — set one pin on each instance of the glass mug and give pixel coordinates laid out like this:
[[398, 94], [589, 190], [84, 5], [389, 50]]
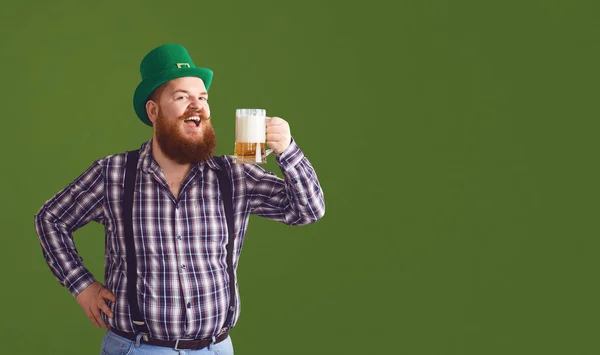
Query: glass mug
[[250, 136]]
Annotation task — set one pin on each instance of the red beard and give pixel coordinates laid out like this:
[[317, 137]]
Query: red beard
[[184, 149]]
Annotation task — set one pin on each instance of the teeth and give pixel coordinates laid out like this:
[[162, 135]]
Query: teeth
[[193, 118]]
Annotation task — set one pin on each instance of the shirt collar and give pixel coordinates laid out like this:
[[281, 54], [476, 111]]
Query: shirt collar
[[148, 163]]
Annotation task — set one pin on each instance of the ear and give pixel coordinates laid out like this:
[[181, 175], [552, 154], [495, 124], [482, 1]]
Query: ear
[[152, 110]]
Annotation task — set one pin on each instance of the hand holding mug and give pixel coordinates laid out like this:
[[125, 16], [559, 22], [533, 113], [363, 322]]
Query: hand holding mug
[[279, 136], [252, 130]]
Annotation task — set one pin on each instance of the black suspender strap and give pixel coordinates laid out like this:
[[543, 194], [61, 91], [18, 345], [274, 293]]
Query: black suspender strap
[[227, 197], [130, 177]]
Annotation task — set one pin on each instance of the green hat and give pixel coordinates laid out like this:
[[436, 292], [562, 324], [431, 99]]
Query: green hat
[[164, 63]]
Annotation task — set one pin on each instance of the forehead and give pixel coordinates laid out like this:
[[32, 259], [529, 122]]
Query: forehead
[[187, 83]]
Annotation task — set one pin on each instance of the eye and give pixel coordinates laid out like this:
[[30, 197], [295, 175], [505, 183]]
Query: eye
[[180, 97], [203, 98]]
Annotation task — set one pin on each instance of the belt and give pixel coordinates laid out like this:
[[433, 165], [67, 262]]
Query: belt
[[179, 344]]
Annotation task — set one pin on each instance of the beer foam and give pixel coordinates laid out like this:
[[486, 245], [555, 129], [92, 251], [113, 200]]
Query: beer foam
[[250, 129]]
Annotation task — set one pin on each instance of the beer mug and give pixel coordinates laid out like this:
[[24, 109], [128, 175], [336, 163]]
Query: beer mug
[[250, 136]]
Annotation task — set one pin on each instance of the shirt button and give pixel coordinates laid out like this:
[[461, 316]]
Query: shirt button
[[189, 305], [183, 266], [178, 237]]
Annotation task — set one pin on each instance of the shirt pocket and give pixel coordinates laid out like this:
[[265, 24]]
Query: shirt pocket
[[209, 219]]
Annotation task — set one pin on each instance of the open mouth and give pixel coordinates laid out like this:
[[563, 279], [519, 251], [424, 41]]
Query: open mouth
[[193, 121]]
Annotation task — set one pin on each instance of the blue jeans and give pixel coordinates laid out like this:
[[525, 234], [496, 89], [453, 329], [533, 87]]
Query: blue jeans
[[113, 344]]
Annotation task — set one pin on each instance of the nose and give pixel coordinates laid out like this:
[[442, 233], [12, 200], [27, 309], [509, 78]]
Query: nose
[[196, 104]]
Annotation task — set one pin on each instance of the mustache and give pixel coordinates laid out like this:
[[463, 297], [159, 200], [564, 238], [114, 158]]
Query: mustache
[[190, 113]]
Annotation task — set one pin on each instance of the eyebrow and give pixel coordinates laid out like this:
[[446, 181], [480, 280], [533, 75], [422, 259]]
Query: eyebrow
[[187, 92]]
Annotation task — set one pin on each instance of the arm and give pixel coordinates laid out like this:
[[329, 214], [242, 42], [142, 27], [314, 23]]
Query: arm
[[295, 200], [71, 208]]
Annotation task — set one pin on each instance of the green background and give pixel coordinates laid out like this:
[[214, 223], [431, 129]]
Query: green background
[[456, 143]]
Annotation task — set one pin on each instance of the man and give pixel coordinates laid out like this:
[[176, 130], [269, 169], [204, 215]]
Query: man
[[178, 220]]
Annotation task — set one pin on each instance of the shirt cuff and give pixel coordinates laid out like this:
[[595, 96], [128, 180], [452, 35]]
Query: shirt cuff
[[290, 157], [78, 281]]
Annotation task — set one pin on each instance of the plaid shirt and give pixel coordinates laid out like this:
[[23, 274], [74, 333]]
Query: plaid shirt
[[180, 243]]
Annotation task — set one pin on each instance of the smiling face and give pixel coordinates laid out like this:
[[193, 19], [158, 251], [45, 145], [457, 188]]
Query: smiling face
[[180, 115]]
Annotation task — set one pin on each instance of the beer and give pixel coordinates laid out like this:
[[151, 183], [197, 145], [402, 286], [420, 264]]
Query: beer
[[250, 134], [245, 153]]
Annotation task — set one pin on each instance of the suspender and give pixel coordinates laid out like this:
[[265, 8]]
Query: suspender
[[227, 197], [134, 309]]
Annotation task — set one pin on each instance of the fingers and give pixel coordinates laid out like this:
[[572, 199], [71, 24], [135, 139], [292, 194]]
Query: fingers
[[277, 124], [275, 137], [275, 121], [278, 146], [278, 134], [104, 296], [98, 317], [278, 131], [107, 295], [93, 301], [104, 308], [92, 318]]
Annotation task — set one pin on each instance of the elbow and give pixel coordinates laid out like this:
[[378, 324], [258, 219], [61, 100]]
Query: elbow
[[37, 220], [320, 213], [314, 216], [39, 215], [317, 212], [41, 220]]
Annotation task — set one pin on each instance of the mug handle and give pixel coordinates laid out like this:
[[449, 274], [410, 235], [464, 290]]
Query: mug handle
[[268, 151], [258, 153]]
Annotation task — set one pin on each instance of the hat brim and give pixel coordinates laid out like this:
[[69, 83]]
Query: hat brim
[[147, 86]]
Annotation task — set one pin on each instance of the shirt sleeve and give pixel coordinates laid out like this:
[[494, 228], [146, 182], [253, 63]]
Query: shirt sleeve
[[71, 208], [294, 200]]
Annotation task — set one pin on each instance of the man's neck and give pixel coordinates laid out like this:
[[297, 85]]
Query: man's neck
[[171, 168]]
